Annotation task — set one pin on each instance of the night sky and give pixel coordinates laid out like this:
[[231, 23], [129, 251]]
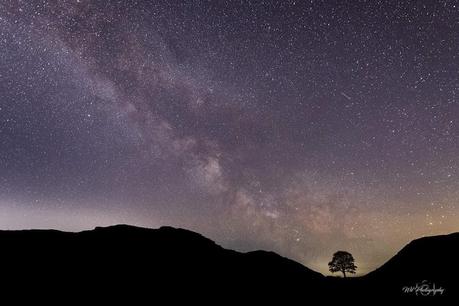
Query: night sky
[[301, 127]]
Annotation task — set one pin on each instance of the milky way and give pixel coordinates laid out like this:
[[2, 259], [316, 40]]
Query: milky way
[[301, 127]]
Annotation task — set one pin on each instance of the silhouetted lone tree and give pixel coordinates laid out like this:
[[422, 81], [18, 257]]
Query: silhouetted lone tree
[[342, 262]]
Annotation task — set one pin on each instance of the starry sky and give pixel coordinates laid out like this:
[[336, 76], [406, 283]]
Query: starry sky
[[301, 127]]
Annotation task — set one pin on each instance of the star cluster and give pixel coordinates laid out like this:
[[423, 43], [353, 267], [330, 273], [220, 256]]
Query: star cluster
[[301, 127]]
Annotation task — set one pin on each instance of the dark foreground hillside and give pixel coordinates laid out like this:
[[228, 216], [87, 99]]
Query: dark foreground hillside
[[129, 262]]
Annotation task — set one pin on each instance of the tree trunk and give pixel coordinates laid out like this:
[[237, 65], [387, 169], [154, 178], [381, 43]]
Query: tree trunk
[[344, 273]]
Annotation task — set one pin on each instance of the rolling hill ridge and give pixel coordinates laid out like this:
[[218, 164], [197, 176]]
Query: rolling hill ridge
[[126, 260]]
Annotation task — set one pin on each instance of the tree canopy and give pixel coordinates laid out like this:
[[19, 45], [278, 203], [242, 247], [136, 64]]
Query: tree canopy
[[342, 261]]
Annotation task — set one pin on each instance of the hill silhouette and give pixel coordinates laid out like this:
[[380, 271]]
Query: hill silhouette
[[127, 261], [425, 261]]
